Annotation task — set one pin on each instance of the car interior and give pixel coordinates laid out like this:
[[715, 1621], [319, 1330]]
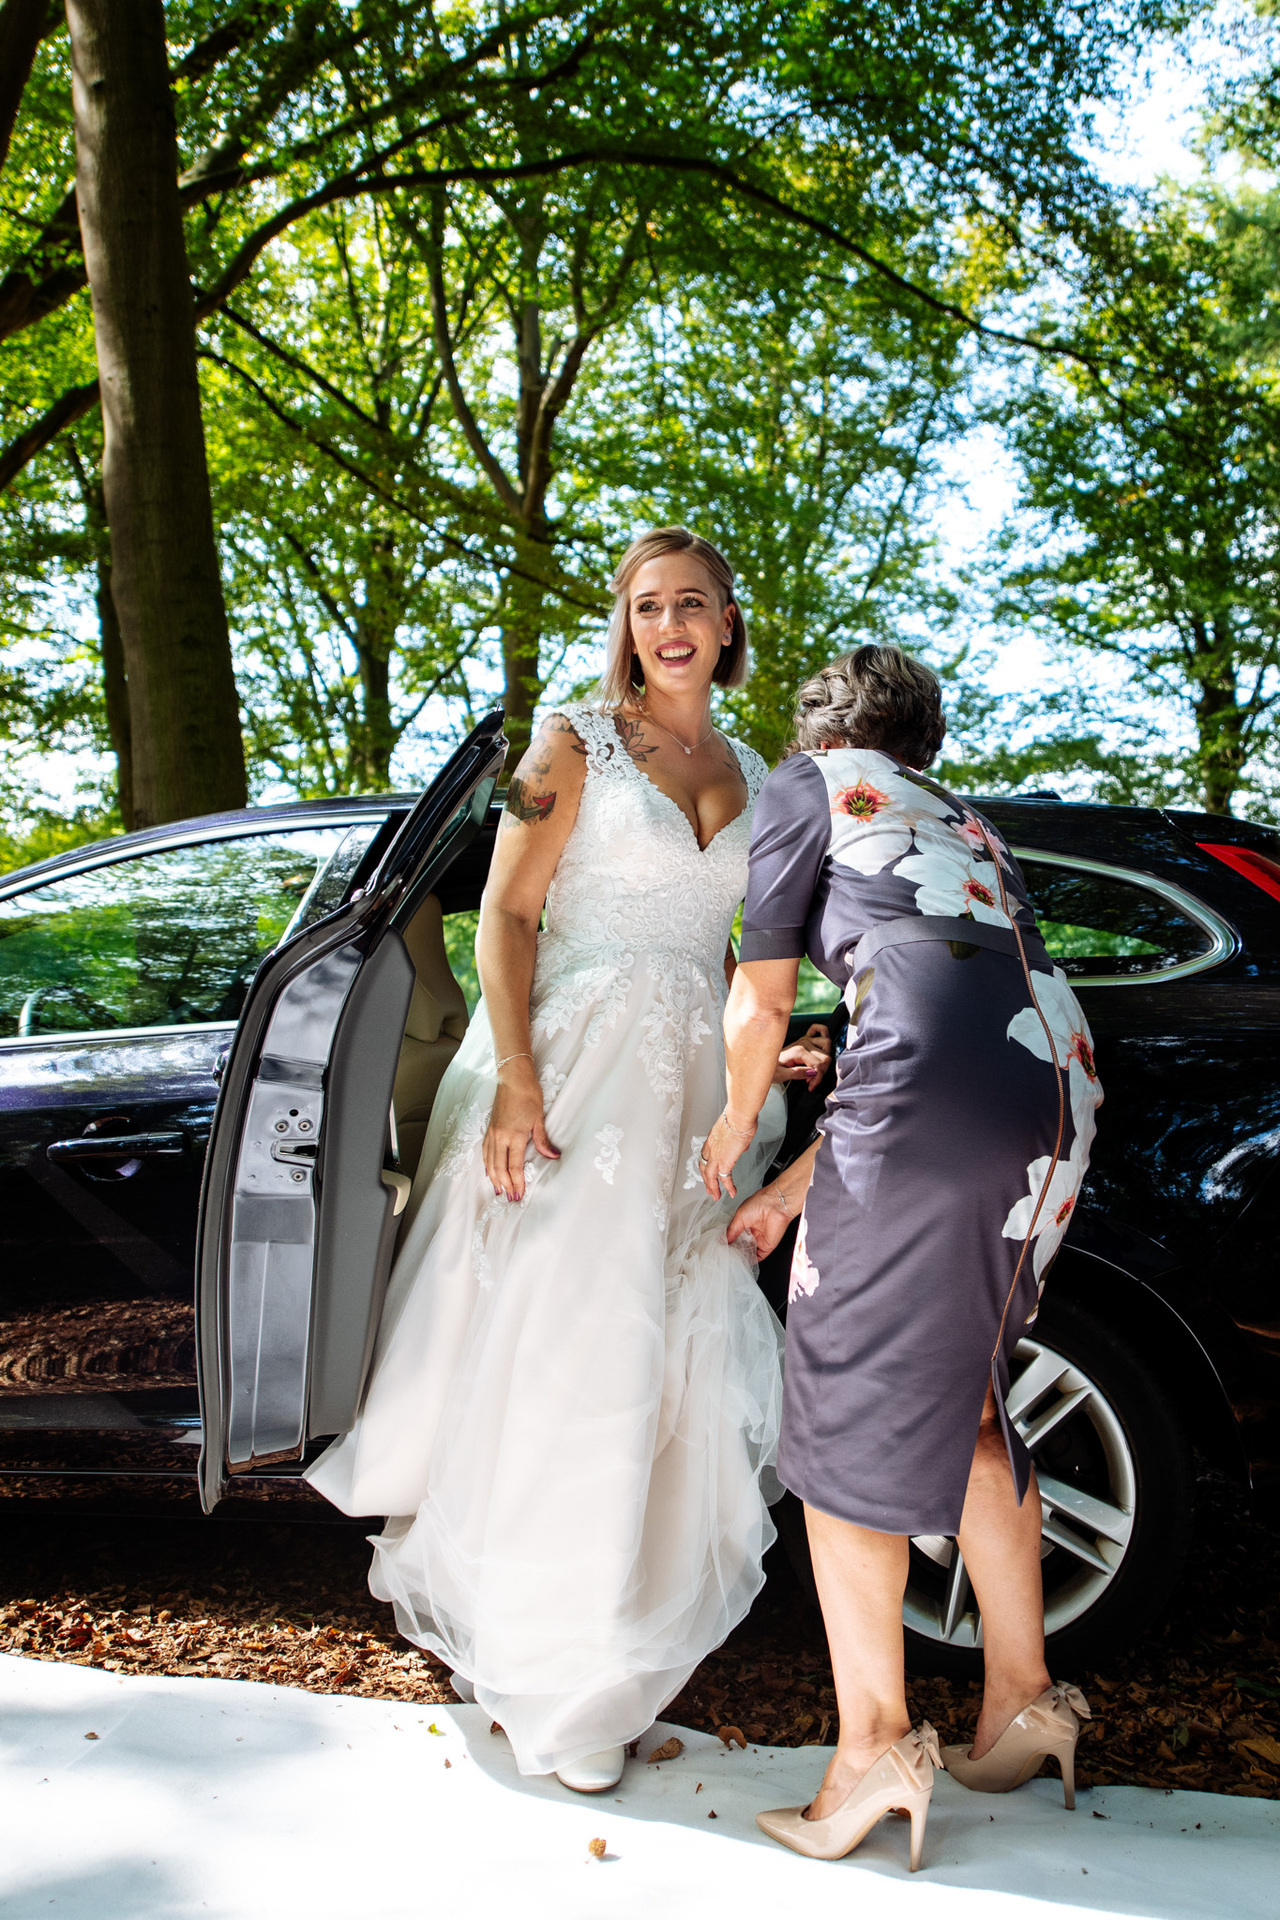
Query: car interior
[[433, 1032]]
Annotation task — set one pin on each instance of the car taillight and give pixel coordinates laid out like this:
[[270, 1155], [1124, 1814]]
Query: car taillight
[[1258, 867]]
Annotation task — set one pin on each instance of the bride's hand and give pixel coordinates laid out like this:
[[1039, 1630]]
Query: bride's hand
[[516, 1119], [723, 1148], [807, 1058], [764, 1218]]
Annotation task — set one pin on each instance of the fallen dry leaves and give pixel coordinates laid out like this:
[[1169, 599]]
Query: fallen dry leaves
[[1195, 1704]]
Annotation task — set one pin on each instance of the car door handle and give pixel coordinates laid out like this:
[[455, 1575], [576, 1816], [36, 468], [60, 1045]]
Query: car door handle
[[119, 1146]]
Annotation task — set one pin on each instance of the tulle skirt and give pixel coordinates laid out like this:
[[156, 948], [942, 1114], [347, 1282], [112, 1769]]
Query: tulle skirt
[[574, 1402]]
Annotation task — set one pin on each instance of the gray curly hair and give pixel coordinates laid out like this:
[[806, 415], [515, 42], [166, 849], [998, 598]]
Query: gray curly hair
[[874, 697]]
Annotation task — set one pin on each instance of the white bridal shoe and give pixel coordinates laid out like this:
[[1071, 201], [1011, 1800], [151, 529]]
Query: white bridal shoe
[[595, 1773]]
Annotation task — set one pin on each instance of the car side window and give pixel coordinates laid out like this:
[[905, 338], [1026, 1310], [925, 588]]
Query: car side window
[[156, 940], [1106, 926]]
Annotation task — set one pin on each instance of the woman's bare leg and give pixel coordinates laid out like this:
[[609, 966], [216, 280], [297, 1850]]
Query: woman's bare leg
[[1000, 1542], [861, 1579]]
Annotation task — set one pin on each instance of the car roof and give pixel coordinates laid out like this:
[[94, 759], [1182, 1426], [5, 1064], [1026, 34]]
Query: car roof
[[1039, 806], [228, 825]]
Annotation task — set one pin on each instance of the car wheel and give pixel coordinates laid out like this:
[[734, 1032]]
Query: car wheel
[[1116, 1493]]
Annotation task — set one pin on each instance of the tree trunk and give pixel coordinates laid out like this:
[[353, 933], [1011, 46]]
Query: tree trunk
[[1219, 720], [522, 620], [375, 639], [187, 755], [371, 760], [22, 25], [115, 687]]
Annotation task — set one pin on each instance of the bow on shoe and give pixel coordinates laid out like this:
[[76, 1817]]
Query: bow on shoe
[[927, 1740], [1074, 1699]]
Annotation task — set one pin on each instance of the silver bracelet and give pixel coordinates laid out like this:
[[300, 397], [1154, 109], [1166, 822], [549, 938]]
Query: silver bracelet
[[783, 1202], [748, 1135], [510, 1057]]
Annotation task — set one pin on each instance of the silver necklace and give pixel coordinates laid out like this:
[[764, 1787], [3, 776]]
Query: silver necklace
[[675, 736]]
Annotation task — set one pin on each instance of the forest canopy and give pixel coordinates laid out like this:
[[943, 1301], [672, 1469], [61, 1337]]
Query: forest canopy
[[432, 307]]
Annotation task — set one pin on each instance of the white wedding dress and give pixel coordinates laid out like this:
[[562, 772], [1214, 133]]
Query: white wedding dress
[[573, 1399]]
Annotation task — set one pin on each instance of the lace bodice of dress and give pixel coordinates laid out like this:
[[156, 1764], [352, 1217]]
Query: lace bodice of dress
[[632, 877]]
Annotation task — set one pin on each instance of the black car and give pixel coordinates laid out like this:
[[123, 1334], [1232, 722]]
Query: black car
[[219, 1046]]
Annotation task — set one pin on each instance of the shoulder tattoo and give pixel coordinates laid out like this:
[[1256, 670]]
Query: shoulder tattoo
[[541, 748], [558, 723], [732, 764], [631, 734]]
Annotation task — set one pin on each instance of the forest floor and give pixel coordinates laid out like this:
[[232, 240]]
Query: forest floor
[[1194, 1704]]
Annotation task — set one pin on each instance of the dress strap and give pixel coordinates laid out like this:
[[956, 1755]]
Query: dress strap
[[936, 926], [754, 770]]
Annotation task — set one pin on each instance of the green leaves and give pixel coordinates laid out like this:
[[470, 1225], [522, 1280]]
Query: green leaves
[[483, 287], [1157, 479]]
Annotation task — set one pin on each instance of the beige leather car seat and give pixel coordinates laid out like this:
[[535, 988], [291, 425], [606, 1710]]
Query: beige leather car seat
[[435, 1026]]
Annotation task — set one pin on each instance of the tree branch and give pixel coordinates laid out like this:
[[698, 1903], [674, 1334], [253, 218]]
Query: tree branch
[[72, 405], [47, 275], [568, 594], [23, 24], [470, 426]]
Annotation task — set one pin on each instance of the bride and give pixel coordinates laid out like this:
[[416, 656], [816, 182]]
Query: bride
[[576, 1381]]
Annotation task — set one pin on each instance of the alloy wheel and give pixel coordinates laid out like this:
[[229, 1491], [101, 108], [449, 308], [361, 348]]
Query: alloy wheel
[[1088, 1494]]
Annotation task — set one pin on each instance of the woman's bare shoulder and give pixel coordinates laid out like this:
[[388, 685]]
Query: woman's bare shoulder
[[550, 771]]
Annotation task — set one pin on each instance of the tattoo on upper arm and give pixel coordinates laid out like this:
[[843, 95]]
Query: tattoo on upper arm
[[524, 804], [527, 798]]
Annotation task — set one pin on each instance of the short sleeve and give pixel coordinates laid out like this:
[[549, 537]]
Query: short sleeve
[[790, 836]]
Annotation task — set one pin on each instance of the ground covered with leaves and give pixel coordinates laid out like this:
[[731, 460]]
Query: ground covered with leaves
[[1194, 1704]]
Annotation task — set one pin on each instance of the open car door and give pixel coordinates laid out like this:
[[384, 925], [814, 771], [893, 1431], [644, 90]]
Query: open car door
[[297, 1222]]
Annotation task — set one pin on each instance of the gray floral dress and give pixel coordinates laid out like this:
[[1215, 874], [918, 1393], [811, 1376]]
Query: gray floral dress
[[954, 1144]]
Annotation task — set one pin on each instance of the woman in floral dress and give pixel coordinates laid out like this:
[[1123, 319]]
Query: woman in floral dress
[[950, 1159]]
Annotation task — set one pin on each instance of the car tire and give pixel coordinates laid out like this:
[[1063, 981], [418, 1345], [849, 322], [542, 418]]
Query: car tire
[[1116, 1443]]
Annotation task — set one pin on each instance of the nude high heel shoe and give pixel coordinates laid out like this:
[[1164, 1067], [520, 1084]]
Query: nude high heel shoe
[[900, 1780], [1050, 1726]]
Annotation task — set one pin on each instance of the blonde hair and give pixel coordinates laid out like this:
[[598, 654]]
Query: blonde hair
[[622, 678]]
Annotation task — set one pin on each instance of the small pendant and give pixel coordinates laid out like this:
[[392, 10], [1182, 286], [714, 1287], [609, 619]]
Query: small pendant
[[688, 750]]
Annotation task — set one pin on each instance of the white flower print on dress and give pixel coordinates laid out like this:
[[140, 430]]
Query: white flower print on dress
[[1072, 1046], [1056, 1209], [947, 882], [804, 1275], [981, 840], [610, 1154], [874, 810]]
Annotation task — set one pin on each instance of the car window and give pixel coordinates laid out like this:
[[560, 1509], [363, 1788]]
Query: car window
[[334, 877], [1106, 926], [158, 940]]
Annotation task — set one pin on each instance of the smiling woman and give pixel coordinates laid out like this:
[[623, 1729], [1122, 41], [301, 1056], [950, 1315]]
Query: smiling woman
[[575, 1385]]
